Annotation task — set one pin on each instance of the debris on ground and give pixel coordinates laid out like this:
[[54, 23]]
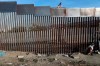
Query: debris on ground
[[75, 55], [2, 53], [17, 58]]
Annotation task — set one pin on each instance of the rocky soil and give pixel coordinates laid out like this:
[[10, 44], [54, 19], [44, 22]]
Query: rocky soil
[[17, 58]]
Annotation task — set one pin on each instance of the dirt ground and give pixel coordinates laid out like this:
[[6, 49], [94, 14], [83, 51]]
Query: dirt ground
[[11, 58]]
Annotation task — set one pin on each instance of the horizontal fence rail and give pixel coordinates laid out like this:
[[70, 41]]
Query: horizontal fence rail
[[46, 34]]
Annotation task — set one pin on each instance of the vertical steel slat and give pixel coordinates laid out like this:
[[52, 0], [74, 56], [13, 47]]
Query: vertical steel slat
[[33, 34], [55, 34], [80, 34], [25, 45], [3, 44], [95, 29], [60, 31], [53, 30], [5, 30], [62, 34], [52, 27], [38, 33], [73, 21], [45, 35], [75, 35], [89, 25], [48, 24], [87, 31], [27, 33], [91, 30], [63, 26], [1, 38], [12, 17], [64, 42], [71, 34], [31, 46], [57, 29], [23, 35], [1, 32], [84, 30], [21, 32], [18, 32], [41, 36], [15, 18], [68, 34], [72, 27], [50, 35]]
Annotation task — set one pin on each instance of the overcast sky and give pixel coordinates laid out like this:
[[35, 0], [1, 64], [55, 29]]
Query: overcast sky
[[65, 3]]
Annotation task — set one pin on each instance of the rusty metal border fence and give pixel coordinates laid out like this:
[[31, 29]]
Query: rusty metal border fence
[[48, 34]]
